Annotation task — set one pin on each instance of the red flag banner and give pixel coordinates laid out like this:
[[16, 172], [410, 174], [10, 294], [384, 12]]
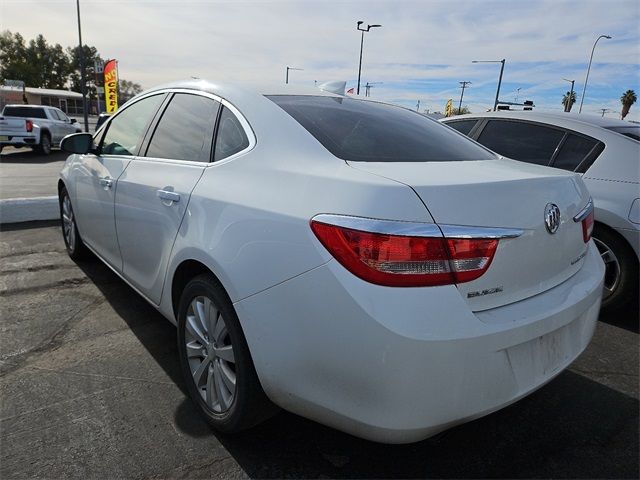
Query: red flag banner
[[111, 85]]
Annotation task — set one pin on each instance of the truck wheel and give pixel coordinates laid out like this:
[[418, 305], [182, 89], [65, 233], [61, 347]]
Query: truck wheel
[[45, 144]]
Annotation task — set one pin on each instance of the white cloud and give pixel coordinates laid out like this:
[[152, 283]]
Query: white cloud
[[435, 41]]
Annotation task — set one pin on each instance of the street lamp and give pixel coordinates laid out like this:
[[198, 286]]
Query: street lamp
[[584, 89], [290, 68], [369, 27], [84, 85], [569, 104], [495, 104]]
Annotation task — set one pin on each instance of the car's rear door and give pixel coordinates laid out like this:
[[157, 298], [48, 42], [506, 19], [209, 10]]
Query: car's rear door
[[153, 192], [96, 174]]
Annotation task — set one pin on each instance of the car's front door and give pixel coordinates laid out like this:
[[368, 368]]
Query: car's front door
[[153, 192], [96, 176]]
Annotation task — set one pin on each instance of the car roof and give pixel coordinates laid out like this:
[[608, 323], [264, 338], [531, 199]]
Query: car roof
[[557, 118]]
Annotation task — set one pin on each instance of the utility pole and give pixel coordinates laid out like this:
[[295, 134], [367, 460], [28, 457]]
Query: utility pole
[[82, 74], [569, 104], [367, 88], [584, 88], [463, 85], [418, 106], [604, 110]]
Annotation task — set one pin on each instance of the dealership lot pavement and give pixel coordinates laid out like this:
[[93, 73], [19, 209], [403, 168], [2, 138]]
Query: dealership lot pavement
[[90, 388], [25, 174]]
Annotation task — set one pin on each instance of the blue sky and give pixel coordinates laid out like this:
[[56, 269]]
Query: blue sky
[[422, 52]]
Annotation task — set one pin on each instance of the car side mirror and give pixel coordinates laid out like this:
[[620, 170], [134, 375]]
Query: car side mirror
[[73, 120], [77, 143]]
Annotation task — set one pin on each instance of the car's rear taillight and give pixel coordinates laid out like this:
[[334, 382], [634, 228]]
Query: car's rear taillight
[[587, 227], [585, 217], [406, 260], [29, 125]]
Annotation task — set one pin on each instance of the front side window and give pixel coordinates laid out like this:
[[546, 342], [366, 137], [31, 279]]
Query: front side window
[[126, 131], [231, 137], [185, 131], [523, 141], [62, 116], [573, 151], [358, 130]]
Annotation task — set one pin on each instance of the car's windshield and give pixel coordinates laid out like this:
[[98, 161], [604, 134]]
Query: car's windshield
[[632, 131], [366, 131]]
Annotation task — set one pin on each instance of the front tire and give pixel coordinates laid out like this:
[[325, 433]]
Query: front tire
[[72, 240], [621, 271], [215, 359]]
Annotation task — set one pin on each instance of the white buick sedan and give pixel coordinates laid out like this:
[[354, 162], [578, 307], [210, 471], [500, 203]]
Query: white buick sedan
[[350, 261]]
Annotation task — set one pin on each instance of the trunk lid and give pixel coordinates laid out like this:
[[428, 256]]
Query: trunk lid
[[505, 194]]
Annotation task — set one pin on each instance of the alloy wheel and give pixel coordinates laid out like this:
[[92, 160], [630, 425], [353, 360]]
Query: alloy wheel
[[68, 223], [210, 354], [612, 268]]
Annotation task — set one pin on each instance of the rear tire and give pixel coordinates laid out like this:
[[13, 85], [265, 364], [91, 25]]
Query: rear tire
[[621, 271], [215, 359], [72, 240], [45, 144]]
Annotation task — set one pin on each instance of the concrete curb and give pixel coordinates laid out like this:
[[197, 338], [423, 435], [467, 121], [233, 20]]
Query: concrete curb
[[14, 210]]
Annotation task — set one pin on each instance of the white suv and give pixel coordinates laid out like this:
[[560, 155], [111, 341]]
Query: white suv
[[607, 154]]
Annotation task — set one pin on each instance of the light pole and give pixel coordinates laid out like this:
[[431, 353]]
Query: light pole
[[463, 85], [569, 104], [82, 76], [495, 104], [369, 27], [584, 89], [290, 68]]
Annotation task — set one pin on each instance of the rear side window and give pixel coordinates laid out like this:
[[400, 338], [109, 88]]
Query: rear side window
[[126, 130], [231, 137], [463, 126], [358, 130], [521, 140], [26, 112], [185, 131], [573, 151]]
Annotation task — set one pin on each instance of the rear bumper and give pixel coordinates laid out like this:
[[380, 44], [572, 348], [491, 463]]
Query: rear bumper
[[398, 365], [19, 140]]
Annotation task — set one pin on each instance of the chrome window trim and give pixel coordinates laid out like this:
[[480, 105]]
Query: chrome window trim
[[416, 229], [584, 213]]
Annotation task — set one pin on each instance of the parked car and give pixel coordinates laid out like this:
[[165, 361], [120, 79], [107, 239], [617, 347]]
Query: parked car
[[35, 126], [607, 154], [103, 117], [352, 262]]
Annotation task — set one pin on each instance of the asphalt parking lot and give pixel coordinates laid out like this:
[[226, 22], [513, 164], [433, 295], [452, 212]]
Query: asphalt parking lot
[[25, 173], [90, 388]]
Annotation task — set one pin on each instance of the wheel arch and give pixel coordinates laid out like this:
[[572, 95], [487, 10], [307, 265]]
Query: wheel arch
[[615, 233], [184, 272]]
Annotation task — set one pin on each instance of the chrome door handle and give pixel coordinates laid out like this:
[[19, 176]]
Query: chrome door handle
[[170, 196], [106, 182]]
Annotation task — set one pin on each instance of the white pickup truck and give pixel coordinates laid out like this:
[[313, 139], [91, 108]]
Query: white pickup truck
[[36, 126]]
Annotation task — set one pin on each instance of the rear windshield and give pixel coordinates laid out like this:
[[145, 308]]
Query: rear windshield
[[26, 112], [364, 131], [631, 132]]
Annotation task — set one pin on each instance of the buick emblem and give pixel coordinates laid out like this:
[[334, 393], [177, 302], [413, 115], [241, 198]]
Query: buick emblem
[[551, 217]]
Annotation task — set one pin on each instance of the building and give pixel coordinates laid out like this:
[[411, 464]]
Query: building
[[67, 101]]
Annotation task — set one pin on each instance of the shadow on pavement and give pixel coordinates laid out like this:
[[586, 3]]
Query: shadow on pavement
[[27, 155], [572, 428]]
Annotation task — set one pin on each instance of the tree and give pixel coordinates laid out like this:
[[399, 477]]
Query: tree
[[570, 98], [627, 99], [461, 111], [38, 64], [127, 90]]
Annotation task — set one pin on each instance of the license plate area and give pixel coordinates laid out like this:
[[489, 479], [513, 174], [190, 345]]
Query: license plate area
[[4, 138]]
